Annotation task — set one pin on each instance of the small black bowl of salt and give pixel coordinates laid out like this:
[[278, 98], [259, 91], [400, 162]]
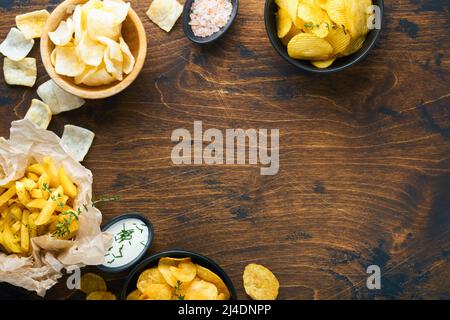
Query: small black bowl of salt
[[205, 21]]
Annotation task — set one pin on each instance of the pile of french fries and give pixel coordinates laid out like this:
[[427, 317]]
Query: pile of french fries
[[39, 203]]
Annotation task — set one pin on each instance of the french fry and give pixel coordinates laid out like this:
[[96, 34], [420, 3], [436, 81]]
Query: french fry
[[49, 208], [69, 188], [51, 171], [24, 232], [15, 228], [32, 226], [37, 203], [29, 184], [16, 212], [9, 242], [22, 193], [32, 176], [36, 169], [37, 194], [8, 195]]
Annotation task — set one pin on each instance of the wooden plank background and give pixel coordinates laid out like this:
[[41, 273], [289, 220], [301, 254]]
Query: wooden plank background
[[364, 155]]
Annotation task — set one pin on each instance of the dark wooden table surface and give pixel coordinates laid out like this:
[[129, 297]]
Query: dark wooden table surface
[[364, 155]]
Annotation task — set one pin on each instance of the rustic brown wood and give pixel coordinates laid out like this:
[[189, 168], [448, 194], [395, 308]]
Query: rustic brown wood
[[364, 171]]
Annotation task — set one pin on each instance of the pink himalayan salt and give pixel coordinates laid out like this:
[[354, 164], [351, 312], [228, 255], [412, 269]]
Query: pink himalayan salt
[[209, 16]]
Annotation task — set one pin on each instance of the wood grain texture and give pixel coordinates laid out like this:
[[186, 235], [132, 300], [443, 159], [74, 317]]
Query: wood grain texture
[[364, 155]]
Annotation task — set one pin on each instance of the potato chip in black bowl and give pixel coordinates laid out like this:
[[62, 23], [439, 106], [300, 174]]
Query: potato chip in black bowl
[[319, 36]]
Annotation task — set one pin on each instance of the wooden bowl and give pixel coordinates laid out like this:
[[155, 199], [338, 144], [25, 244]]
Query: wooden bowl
[[133, 33]]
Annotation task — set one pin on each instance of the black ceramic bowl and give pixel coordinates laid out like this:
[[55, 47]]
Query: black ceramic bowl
[[130, 282], [339, 64], [145, 249], [199, 40]]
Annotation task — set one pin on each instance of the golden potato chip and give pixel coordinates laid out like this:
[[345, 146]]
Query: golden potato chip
[[356, 13], [209, 276], [153, 275], [63, 33], [290, 6], [32, 24], [16, 46], [309, 46], [39, 113], [134, 295], [101, 295], [157, 291], [201, 290], [164, 265], [315, 19], [101, 23], [165, 13], [91, 282], [336, 12], [323, 64], [339, 39], [293, 32], [354, 46], [184, 272], [20, 73], [128, 58], [77, 141], [79, 23], [67, 62], [260, 283], [90, 51], [284, 23]]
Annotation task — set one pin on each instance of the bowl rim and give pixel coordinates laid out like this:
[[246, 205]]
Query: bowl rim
[[77, 90], [136, 260], [215, 36], [175, 253], [362, 54]]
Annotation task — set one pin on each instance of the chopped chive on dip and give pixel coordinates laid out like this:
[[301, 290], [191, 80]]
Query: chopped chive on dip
[[130, 238]]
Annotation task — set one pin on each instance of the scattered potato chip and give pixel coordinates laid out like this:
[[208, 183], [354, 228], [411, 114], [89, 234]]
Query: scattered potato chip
[[63, 34], [58, 99], [39, 113], [165, 13], [16, 46], [77, 141], [309, 46], [209, 276], [67, 62], [260, 283], [101, 295], [21, 73], [201, 290], [91, 282], [32, 24]]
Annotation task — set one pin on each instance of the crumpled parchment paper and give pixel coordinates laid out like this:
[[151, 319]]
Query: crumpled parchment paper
[[41, 271]]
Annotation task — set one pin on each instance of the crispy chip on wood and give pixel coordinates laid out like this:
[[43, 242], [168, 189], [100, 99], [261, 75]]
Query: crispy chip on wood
[[20, 73], [91, 282], [260, 283]]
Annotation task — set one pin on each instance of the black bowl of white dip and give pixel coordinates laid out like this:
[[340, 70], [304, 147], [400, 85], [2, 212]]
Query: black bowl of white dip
[[132, 236]]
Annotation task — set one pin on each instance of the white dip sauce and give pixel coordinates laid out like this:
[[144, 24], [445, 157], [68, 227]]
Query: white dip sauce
[[130, 237]]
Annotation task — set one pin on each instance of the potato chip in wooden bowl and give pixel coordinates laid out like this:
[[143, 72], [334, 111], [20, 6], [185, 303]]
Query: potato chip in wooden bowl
[[93, 49]]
